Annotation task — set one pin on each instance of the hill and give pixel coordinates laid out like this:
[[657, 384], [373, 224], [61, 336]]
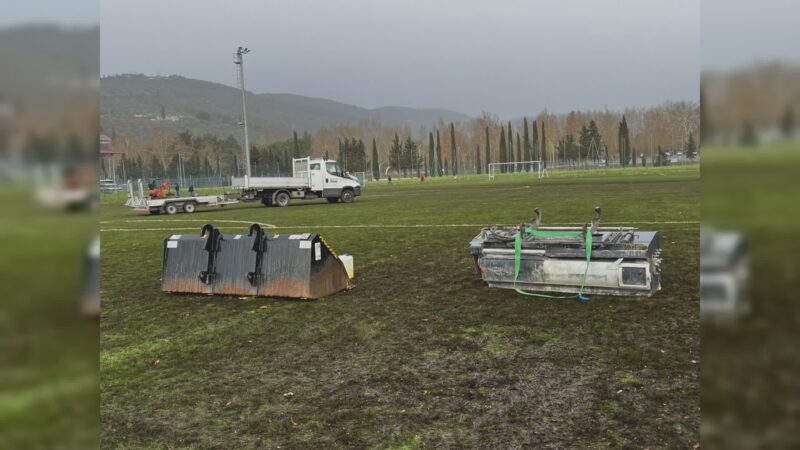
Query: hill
[[137, 104]]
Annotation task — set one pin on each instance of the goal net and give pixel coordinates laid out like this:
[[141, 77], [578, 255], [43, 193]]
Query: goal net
[[530, 167]]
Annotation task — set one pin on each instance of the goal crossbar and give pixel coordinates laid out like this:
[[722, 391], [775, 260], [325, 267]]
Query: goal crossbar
[[533, 167]]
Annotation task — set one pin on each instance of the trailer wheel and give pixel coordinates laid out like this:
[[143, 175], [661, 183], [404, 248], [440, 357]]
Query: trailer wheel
[[332, 199], [282, 198], [347, 196], [171, 209], [189, 207]]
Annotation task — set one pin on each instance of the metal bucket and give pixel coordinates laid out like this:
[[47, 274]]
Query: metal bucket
[[294, 266]]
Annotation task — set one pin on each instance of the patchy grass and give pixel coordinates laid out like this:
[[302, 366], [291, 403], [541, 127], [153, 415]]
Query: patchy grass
[[749, 398], [420, 353]]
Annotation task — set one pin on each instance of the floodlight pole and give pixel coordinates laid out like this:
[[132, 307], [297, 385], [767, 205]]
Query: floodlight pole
[[240, 61]]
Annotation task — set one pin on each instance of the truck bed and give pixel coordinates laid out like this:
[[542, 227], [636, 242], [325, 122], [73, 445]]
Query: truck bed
[[270, 182]]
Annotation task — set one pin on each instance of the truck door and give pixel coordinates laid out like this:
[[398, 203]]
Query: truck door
[[317, 177]]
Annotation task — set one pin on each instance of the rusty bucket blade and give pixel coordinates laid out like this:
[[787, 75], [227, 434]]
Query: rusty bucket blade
[[293, 266]]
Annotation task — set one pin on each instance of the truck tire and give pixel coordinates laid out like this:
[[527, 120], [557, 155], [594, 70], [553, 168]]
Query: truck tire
[[347, 196], [332, 199], [171, 208], [189, 207], [282, 198]]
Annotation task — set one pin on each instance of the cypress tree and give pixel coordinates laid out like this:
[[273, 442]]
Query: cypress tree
[[488, 155], [624, 143], [690, 148], [535, 142], [376, 167], [478, 159], [519, 150], [502, 150], [526, 140], [296, 148], [453, 157], [440, 166], [543, 148], [431, 158], [510, 152]]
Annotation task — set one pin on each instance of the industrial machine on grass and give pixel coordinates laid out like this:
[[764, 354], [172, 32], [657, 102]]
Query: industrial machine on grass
[[253, 264], [555, 261]]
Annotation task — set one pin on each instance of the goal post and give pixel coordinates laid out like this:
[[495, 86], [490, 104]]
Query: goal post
[[532, 167]]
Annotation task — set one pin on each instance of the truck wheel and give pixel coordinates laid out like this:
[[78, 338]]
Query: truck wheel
[[171, 209], [189, 207], [282, 198], [347, 196], [332, 199]]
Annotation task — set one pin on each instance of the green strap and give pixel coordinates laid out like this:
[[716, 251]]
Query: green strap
[[548, 233]]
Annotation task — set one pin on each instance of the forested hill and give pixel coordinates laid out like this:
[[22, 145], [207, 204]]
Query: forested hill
[[138, 104]]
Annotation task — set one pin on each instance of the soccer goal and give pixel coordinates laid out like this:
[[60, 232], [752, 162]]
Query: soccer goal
[[530, 167]]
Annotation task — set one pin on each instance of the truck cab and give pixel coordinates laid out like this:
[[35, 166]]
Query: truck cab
[[311, 178]]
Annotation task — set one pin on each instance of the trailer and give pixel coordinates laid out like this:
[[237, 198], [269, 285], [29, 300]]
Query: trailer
[[311, 178], [173, 205]]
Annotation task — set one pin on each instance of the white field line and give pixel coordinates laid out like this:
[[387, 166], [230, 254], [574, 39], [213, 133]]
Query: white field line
[[439, 225]]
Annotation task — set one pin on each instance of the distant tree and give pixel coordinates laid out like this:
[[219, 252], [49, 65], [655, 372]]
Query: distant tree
[[376, 170], [477, 159], [748, 136], [535, 142], [410, 157], [662, 159], [488, 154], [643, 161], [396, 154], [787, 122], [439, 164], [157, 167], [690, 148], [625, 153], [163, 113], [595, 141], [502, 155], [519, 150], [510, 151], [526, 140], [543, 148], [431, 155], [453, 156], [706, 129], [295, 146]]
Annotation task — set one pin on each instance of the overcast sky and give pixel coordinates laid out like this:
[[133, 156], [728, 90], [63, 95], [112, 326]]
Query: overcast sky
[[508, 57], [739, 32]]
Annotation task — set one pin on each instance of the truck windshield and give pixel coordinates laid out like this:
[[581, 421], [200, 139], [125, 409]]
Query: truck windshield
[[332, 168]]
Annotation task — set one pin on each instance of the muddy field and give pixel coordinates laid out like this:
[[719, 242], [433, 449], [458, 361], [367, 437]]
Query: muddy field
[[420, 354]]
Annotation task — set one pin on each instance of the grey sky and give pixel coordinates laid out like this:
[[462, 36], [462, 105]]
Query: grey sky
[[739, 32], [68, 12], [509, 57]]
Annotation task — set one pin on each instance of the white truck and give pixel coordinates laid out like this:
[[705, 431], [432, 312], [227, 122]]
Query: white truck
[[311, 178]]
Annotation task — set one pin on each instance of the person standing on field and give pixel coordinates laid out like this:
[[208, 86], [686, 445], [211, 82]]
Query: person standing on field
[[177, 190]]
